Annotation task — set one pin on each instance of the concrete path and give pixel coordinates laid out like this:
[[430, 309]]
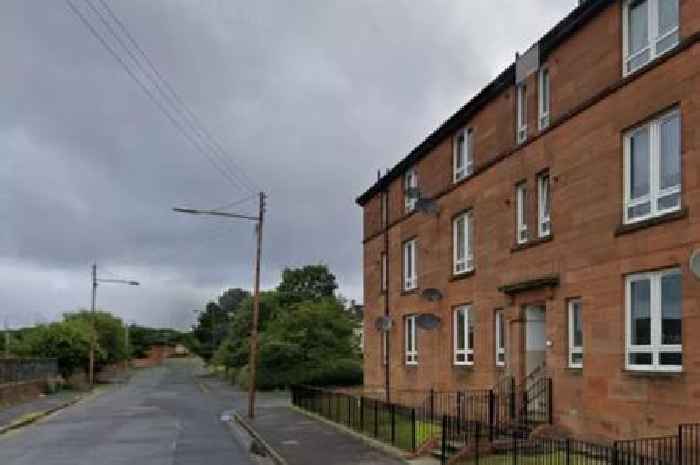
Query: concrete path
[[299, 439], [12, 415], [161, 417]]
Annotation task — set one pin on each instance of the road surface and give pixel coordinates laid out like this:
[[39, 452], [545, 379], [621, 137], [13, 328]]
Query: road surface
[[162, 417]]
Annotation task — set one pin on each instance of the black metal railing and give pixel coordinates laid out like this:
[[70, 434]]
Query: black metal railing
[[661, 450], [18, 370]]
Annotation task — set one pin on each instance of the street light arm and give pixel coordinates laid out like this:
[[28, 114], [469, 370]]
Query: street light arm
[[118, 281], [192, 211]]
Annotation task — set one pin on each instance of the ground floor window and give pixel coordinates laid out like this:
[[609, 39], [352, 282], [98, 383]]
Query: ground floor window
[[463, 336], [411, 341], [654, 321], [575, 334]]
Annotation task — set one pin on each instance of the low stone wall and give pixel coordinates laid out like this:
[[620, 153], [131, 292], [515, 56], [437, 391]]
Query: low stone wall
[[19, 370]]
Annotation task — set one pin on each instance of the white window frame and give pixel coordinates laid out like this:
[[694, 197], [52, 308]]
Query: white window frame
[[653, 34], [656, 347], [467, 146], [655, 192], [410, 276], [521, 116], [462, 265], [500, 340], [411, 340], [468, 350], [545, 104], [521, 232], [544, 195], [410, 181], [383, 265], [573, 348]]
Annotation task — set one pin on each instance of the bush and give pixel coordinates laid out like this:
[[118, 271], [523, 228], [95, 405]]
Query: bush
[[345, 372]]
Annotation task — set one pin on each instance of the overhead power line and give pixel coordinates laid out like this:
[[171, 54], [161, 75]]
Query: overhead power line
[[170, 103]]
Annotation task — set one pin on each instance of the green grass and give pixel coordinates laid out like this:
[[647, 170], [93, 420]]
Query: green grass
[[551, 458]]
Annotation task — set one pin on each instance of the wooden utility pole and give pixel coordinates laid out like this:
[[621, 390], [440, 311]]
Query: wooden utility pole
[[252, 363]]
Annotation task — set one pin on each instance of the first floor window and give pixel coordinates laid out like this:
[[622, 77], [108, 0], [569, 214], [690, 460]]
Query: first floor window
[[411, 341], [575, 334], [500, 339], [544, 205], [410, 279], [410, 189], [654, 321], [463, 231], [651, 29], [463, 154], [653, 168], [520, 213], [463, 336], [544, 98]]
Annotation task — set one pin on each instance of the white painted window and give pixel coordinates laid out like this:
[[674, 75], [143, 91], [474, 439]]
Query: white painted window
[[654, 321], [411, 341], [544, 205], [653, 168], [463, 154], [521, 213], [575, 334], [462, 243], [521, 113], [384, 272], [463, 336], [500, 339], [650, 30], [544, 98], [410, 278], [410, 181]]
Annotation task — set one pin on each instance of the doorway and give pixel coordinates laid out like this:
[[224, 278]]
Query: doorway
[[535, 338]]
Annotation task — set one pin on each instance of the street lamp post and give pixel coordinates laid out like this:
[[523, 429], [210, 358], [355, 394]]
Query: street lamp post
[[256, 295], [93, 338]]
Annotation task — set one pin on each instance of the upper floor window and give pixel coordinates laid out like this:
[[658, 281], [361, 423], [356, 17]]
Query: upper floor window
[[411, 341], [520, 213], [463, 154], [500, 339], [410, 278], [654, 321], [544, 205], [521, 113], [544, 98], [463, 336], [651, 29], [575, 334], [463, 260], [410, 189], [653, 168]]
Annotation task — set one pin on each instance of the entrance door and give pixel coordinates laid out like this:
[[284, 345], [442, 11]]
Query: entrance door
[[535, 340]]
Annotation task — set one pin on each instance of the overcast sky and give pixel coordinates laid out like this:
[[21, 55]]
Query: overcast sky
[[307, 97]]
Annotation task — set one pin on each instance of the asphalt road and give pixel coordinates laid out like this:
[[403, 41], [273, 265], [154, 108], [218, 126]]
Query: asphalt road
[[162, 417]]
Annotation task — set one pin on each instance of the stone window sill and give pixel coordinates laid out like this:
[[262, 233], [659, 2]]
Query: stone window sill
[[668, 217], [409, 292], [532, 243], [653, 374], [461, 276]]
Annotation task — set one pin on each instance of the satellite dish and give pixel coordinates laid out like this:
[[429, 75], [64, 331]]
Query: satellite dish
[[695, 263], [427, 206], [428, 321], [383, 323], [432, 295]]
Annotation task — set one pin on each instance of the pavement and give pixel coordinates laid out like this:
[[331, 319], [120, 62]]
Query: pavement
[[163, 416], [298, 438], [16, 414]]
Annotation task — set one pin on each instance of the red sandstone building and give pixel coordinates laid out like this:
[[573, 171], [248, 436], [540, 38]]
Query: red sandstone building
[[552, 220]]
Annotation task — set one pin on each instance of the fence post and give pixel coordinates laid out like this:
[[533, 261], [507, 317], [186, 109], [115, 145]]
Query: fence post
[[525, 407], [512, 399], [515, 448], [444, 440], [615, 459], [492, 411], [376, 418], [680, 444], [568, 451], [393, 423], [362, 413], [413, 429], [432, 405], [459, 412], [478, 433]]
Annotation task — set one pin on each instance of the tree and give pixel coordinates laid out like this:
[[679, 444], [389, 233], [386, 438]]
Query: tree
[[230, 301], [111, 334], [67, 341], [311, 282]]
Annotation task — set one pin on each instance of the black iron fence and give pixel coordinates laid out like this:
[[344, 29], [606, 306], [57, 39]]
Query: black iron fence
[[17, 370]]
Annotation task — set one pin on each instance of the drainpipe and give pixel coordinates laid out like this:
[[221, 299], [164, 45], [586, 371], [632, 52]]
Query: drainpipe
[[387, 371]]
